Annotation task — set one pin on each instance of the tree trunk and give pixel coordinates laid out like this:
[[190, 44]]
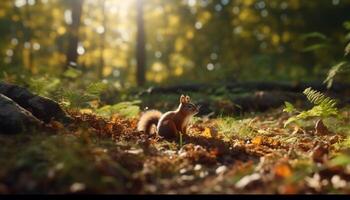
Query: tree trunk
[[72, 54], [102, 40], [28, 39], [140, 49]]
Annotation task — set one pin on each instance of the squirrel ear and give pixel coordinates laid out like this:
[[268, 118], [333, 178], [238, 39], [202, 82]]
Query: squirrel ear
[[188, 99], [182, 99]]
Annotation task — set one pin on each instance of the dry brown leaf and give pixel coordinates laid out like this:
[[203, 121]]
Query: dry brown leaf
[[321, 129]]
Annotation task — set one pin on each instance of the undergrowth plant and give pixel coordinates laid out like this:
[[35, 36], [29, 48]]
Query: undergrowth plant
[[343, 66], [81, 98], [324, 107]]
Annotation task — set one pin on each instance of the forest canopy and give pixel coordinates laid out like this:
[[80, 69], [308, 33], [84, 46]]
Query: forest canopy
[[187, 40]]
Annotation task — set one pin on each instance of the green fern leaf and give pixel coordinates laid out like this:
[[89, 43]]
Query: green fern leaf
[[96, 88], [289, 108], [347, 49], [334, 71], [323, 107], [314, 35]]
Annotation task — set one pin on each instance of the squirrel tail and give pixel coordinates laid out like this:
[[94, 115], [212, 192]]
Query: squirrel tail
[[148, 119]]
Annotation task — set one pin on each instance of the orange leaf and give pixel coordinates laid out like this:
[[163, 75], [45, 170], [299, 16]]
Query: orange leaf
[[257, 140], [283, 170], [207, 132], [56, 125]]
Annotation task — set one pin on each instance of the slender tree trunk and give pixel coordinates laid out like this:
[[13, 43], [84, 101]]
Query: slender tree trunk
[[102, 40], [28, 39], [140, 48], [72, 54]]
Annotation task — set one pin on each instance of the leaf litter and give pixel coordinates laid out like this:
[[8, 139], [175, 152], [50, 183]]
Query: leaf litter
[[119, 159]]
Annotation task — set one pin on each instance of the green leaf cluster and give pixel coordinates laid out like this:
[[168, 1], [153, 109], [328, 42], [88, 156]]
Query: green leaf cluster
[[323, 107], [43, 86], [336, 69], [127, 109], [80, 99]]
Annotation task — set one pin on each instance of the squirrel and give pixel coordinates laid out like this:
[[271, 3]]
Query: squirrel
[[170, 123]]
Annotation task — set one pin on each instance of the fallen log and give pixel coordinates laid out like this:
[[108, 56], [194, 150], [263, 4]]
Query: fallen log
[[14, 118], [42, 108], [249, 86]]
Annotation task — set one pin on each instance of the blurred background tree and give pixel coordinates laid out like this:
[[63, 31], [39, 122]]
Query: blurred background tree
[[172, 41]]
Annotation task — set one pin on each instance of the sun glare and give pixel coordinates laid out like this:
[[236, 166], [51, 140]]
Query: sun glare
[[119, 6]]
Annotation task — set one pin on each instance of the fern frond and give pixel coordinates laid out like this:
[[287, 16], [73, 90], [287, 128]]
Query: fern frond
[[289, 108], [96, 88], [323, 107], [317, 35], [347, 49], [336, 69], [318, 98]]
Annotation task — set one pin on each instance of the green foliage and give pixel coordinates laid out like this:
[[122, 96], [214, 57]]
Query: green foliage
[[341, 66], [336, 69], [72, 73], [341, 160], [232, 127], [315, 47], [345, 144], [96, 88], [347, 49], [318, 98], [44, 85], [289, 108], [126, 109], [323, 107], [317, 35], [80, 99], [322, 41]]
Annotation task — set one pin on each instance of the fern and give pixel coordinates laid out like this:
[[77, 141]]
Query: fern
[[318, 98], [323, 107], [80, 99], [317, 35], [336, 69], [44, 86], [347, 49], [126, 109], [289, 108]]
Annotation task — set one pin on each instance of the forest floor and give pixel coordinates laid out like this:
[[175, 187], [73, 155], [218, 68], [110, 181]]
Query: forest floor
[[249, 154]]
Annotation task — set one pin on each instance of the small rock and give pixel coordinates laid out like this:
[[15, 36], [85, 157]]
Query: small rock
[[187, 177], [246, 180], [183, 170], [337, 182], [221, 169], [134, 151], [77, 187], [197, 167]]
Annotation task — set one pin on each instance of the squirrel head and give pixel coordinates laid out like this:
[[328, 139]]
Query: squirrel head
[[186, 107]]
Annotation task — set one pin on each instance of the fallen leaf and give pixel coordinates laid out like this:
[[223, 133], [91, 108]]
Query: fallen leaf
[[321, 129], [319, 152], [283, 170], [207, 132], [257, 140]]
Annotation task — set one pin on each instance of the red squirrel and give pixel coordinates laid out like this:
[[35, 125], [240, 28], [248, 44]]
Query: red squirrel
[[171, 123]]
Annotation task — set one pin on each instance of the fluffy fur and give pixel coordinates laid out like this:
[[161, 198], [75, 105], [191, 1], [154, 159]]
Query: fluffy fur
[[147, 120]]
